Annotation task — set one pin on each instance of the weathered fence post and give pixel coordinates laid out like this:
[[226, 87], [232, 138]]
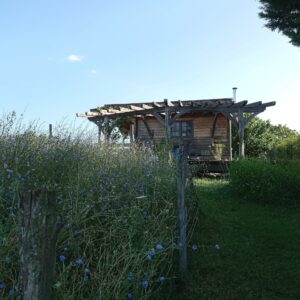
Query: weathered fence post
[[182, 211], [50, 130], [39, 228]]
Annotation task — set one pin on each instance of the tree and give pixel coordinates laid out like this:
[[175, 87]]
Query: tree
[[116, 129], [283, 15], [261, 137]]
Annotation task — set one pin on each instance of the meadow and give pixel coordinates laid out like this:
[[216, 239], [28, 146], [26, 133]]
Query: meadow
[[117, 205], [259, 251], [118, 208]]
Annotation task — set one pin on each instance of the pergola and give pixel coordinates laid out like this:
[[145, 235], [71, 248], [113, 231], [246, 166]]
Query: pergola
[[167, 112]]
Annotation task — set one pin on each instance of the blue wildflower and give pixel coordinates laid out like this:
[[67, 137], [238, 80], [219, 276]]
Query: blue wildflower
[[149, 173], [194, 247], [79, 261], [129, 296], [85, 278], [130, 276], [11, 293], [151, 252], [162, 278], [159, 247], [149, 257], [62, 258], [2, 285], [86, 271], [217, 247], [145, 283]]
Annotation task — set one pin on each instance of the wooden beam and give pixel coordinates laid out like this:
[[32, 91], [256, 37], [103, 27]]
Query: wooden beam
[[214, 125], [254, 104], [113, 110], [150, 133], [198, 108], [262, 106], [134, 107], [124, 109], [156, 104], [179, 114], [145, 106], [88, 114], [239, 104], [249, 118], [168, 103], [159, 118]]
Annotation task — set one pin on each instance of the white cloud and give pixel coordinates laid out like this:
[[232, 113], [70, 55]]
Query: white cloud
[[75, 58], [93, 71]]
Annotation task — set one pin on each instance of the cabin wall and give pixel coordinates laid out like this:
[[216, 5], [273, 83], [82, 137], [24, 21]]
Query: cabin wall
[[202, 145]]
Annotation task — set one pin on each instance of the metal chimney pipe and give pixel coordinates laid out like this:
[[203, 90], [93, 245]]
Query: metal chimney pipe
[[234, 94]]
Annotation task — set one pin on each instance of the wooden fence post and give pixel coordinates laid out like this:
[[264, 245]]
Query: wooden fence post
[[182, 211], [39, 227], [50, 131]]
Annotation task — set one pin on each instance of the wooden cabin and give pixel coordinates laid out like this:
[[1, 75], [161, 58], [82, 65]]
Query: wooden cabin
[[203, 125], [207, 134]]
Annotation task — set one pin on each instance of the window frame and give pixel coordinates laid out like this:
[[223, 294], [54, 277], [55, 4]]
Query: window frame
[[180, 131]]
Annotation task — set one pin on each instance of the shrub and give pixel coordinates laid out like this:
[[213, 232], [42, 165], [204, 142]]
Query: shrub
[[264, 182], [288, 148]]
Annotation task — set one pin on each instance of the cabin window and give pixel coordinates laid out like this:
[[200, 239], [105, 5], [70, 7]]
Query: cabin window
[[182, 129]]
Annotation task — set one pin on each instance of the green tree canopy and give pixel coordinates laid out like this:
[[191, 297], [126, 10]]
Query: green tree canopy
[[283, 15], [261, 137]]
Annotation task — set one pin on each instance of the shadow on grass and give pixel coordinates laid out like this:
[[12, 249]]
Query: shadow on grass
[[258, 252]]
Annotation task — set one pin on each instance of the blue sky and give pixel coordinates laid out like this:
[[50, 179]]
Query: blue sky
[[62, 57]]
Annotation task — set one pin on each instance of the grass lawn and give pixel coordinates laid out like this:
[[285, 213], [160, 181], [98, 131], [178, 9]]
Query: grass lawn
[[259, 256]]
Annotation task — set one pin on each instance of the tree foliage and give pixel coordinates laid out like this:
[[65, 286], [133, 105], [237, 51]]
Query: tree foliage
[[288, 148], [284, 16], [117, 129], [261, 137]]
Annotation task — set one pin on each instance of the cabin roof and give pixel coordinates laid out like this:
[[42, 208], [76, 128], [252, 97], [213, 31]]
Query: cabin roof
[[222, 105]]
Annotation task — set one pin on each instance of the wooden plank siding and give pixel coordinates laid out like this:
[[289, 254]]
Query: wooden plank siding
[[202, 145]]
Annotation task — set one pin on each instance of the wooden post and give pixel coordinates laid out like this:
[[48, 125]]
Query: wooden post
[[106, 129], [131, 132], [230, 138], [167, 123], [182, 212], [50, 130], [136, 129], [99, 132], [241, 143], [241, 130], [39, 228]]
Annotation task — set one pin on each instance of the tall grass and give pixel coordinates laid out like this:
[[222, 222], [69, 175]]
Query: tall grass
[[265, 182], [117, 205]]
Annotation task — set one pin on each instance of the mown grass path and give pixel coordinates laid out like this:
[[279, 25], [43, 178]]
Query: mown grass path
[[259, 256]]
